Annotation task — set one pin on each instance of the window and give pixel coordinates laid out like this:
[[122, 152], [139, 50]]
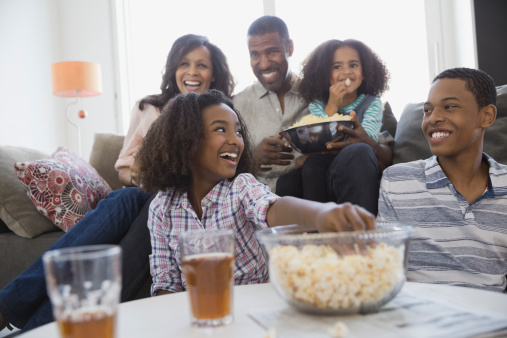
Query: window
[[395, 30]]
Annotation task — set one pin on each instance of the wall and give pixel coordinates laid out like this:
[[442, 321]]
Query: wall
[[29, 116], [33, 35], [450, 31]]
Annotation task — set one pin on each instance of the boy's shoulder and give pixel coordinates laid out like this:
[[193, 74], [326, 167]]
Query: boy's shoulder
[[411, 166]]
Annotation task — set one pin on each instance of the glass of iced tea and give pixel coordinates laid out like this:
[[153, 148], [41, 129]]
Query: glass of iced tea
[[207, 258], [84, 285]]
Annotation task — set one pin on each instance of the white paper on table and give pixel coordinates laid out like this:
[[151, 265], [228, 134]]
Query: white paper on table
[[407, 315]]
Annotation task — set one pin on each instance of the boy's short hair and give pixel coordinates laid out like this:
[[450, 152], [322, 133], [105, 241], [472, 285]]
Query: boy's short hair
[[478, 82]]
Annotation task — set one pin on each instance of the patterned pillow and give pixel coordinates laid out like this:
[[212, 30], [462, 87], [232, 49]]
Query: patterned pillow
[[63, 187]]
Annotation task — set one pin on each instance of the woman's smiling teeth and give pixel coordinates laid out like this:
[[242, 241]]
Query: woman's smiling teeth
[[439, 134], [192, 83], [229, 156]]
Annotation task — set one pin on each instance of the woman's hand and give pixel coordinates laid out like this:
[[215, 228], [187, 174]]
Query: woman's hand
[[125, 177]]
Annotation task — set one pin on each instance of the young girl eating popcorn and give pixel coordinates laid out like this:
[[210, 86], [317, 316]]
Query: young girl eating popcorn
[[347, 78], [198, 156]]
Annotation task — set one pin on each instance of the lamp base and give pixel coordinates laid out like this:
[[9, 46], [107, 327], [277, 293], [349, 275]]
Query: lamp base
[[75, 124]]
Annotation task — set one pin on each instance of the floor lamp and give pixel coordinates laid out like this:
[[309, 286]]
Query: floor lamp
[[76, 79]]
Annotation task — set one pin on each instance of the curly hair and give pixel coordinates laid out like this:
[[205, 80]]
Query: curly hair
[[478, 82], [164, 160], [223, 79], [318, 65]]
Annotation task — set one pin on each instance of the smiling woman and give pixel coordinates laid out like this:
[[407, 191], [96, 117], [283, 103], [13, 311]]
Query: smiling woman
[[195, 71]]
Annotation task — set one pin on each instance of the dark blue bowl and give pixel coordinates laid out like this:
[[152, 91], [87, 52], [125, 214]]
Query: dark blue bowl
[[313, 137]]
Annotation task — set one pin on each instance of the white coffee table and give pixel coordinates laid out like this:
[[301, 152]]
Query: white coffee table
[[168, 315]]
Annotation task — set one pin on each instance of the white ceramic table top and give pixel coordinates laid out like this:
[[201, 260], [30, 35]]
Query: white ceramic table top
[[168, 315]]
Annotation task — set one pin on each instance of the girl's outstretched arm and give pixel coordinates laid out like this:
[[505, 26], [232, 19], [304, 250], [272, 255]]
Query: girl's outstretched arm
[[324, 216]]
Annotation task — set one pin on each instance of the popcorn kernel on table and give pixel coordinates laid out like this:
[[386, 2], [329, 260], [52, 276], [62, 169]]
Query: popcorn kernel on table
[[339, 330]]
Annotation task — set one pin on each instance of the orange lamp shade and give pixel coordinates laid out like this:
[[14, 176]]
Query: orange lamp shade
[[76, 78]]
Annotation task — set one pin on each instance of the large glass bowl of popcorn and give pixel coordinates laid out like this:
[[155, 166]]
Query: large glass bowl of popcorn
[[312, 133], [336, 273]]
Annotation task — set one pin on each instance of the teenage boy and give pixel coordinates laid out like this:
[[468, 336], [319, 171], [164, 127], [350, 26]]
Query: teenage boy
[[457, 199]]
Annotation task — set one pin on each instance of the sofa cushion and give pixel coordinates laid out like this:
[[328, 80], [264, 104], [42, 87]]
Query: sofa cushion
[[17, 253], [389, 121], [410, 143], [105, 152], [16, 209], [495, 138], [63, 187]]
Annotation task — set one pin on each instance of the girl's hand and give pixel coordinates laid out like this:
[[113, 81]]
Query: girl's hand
[[355, 135], [334, 217], [336, 93]]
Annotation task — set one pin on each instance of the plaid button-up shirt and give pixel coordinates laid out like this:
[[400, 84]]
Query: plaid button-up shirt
[[240, 205]]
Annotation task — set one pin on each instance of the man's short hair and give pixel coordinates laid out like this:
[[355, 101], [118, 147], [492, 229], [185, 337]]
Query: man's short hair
[[269, 24], [478, 82]]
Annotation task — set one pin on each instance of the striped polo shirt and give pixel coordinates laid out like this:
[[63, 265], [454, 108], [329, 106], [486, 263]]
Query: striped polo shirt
[[372, 118], [455, 242]]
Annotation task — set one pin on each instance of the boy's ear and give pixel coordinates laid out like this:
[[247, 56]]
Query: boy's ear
[[488, 115]]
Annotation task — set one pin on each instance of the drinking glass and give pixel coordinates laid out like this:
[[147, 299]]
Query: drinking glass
[[207, 258], [84, 285]]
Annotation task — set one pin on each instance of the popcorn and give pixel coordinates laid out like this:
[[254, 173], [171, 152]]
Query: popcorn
[[316, 275], [309, 119], [347, 82], [339, 330]]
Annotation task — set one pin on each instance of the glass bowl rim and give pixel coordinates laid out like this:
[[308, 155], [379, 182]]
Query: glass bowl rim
[[384, 230]]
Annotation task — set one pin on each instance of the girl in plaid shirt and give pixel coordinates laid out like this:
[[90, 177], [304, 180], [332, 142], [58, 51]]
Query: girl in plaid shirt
[[198, 156]]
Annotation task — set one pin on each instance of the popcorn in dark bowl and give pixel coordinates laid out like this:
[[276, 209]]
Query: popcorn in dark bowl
[[313, 137]]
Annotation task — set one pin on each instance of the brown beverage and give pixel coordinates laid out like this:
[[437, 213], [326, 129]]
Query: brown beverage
[[86, 325], [210, 278]]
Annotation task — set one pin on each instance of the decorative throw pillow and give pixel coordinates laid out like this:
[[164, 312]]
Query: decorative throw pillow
[[16, 209], [63, 187]]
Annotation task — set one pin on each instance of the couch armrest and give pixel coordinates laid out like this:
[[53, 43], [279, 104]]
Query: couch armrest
[[105, 151]]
